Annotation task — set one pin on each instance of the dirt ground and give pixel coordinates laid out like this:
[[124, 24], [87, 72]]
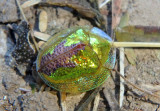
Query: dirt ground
[[20, 92]]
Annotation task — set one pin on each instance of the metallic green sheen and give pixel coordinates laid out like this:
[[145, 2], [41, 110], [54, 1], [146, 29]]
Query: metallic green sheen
[[89, 71], [76, 37]]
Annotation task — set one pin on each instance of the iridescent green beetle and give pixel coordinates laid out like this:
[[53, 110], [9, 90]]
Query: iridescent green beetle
[[76, 60]]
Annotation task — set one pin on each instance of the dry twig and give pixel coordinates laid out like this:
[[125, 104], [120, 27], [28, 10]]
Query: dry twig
[[121, 95], [140, 89]]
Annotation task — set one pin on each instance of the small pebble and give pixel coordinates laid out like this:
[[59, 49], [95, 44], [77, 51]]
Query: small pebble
[[24, 90], [43, 19], [4, 97]]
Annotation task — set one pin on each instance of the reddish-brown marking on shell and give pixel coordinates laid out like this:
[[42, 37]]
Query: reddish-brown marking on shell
[[60, 57]]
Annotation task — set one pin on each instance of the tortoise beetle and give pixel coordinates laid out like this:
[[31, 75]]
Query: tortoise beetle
[[76, 59]]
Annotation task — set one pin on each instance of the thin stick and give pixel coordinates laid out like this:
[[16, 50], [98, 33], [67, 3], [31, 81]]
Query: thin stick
[[96, 102], [104, 3], [111, 99], [114, 44], [89, 99], [121, 95], [140, 89], [32, 34], [34, 41], [62, 101], [135, 44], [20, 8]]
